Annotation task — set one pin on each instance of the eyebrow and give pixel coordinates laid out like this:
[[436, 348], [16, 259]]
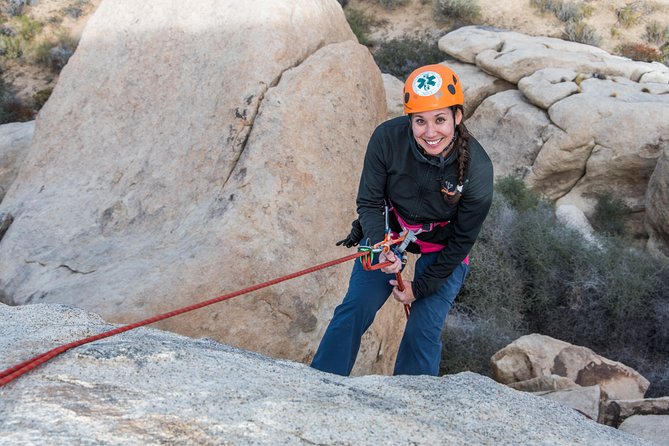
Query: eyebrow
[[436, 116]]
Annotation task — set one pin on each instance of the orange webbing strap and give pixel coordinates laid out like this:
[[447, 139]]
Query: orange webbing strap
[[14, 372], [400, 286]]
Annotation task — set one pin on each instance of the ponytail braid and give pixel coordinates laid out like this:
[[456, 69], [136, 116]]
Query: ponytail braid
[[462, 147]]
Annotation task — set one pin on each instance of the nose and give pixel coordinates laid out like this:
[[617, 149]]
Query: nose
[[430, 129]]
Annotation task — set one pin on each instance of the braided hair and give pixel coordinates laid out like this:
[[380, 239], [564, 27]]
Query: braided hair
[[461, 145]]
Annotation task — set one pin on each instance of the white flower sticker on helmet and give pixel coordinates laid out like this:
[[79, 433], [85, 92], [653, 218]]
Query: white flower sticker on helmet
[[427, 83]]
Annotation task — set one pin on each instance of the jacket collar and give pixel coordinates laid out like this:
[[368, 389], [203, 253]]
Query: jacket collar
[[438, 161]]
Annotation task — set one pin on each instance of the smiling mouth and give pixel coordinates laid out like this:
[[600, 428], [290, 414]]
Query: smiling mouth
[[433, 143]]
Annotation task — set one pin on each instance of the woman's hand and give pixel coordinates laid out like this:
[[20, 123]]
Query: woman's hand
[[406, 296], [390, 256]]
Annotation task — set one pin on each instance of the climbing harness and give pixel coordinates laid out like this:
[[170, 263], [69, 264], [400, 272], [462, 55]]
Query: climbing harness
[[386, 245], [424, 246]]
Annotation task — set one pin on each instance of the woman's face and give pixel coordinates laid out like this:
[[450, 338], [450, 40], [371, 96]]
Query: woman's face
[[433, 130]]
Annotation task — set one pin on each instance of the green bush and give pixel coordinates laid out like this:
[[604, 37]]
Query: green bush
[[629, 14], [360, 23], [514, 191], [55, 52], [569, 12], [461, 11], [14, 8], [581, 32], [11, 47], [564, 11], [16, 36], [40, 98], [485, 317], [28, 28], [12, 109], [392, 4], [401, 56], [531, 274], [609, 215], [657, 33]]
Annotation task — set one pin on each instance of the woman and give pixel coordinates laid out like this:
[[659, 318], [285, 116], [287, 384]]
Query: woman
[[436, 179]]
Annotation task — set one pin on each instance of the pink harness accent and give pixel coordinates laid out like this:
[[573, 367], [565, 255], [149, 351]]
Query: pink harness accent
[[425, 247]]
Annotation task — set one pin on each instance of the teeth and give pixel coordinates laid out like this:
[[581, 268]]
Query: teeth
[[433, 143]]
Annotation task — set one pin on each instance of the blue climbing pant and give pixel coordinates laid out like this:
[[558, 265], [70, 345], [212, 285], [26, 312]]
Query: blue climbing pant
[[420, 349]]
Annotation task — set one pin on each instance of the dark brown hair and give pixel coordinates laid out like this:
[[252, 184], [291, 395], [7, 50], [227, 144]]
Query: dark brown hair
[[462, 147]]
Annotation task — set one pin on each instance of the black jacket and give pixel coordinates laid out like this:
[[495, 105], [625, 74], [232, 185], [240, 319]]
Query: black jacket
[[396, 168]]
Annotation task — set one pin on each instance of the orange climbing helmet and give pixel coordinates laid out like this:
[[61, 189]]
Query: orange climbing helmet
[[432, 87]]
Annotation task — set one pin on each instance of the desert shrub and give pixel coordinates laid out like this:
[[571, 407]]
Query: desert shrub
[[516, 193], [569, 12], [12, 109], [564, 11], [639, 51], [543, 251], [531, 274], [360, 23], [664, 49], [609, 215], [581, 32], [55, 52], [461, 11], [16, 35], [470, 340], [629, 14], [485, 317], [28, 28], [40, 97], [14, 8], [401, 56], [545, 6], [11, 47], [392, 4], [657, 33]]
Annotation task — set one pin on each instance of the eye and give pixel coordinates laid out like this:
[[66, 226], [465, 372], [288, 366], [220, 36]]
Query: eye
[[419, 121], [441, 120]]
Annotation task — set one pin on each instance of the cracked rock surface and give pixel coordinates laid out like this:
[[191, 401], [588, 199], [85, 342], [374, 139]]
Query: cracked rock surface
[[151, 387]]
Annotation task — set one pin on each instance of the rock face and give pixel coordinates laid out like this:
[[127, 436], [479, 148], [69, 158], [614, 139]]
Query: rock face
[[578, 122], [15, 141], [618, 411], [151, 387], [605, 391], [657, 208], [211, 148], [654, 428], [573, 217], [535, 355], [393, 88]]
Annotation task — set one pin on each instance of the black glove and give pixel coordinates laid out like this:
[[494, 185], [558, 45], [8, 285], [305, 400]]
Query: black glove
[[354, 237]]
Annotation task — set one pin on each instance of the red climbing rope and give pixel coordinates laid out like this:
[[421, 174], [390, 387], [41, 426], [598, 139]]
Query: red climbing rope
[[12, 373]]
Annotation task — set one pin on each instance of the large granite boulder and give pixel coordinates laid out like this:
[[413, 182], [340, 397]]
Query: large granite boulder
[[15, 141], [535, 355], [193, 149], [151, 387], [477, 85], [512, 56], [657, 208], [653, 428], [615, 412], [512, 130], [581, 124]]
